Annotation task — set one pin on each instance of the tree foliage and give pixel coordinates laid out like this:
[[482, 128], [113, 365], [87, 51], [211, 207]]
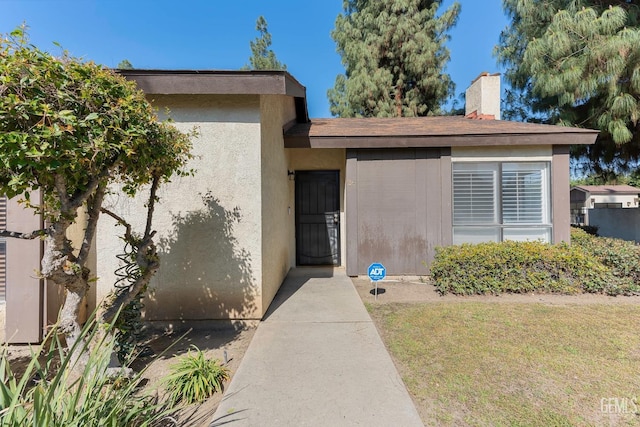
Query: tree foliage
[[69, 129], [124, 65], [394, 56], [262, 57], [577, 63]]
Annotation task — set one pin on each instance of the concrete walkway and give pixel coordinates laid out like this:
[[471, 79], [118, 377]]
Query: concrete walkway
[[316, 360]]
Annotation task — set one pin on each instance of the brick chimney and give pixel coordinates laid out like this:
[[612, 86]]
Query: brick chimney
[[483, 97]]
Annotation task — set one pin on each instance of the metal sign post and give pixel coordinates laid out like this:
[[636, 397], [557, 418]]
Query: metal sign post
[[376, 272]]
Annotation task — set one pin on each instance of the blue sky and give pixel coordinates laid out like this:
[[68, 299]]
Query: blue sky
[[215, 34]]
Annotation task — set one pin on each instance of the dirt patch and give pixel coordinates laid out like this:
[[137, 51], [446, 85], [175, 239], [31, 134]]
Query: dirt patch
[[407, 289], [223, 342], [226, 343]]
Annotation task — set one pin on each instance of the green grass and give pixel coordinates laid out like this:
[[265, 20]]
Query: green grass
[[485, 364]]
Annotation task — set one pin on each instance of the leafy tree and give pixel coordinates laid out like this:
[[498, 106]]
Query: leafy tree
[[262, 57], [577, 63], [124, 65], [394, 56], [70, 129]]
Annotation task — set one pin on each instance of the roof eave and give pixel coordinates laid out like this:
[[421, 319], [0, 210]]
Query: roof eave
[[400, 141], [215, 82]]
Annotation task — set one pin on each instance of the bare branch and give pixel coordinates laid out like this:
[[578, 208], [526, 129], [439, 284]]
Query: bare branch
[[120, 220], [93, 207], [27, 236], [80, 196], [151, 205]]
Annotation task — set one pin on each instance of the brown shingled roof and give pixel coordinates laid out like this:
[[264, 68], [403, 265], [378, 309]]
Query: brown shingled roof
[[438, 131]]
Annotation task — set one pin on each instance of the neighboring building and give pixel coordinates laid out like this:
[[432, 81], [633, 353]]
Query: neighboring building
[[273, 190], [585, 197]]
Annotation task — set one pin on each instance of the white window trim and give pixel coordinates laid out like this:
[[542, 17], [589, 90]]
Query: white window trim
[[545, 227]]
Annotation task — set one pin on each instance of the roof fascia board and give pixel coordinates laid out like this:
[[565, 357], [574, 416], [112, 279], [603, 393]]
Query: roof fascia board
[[215, 83], [304, 141]]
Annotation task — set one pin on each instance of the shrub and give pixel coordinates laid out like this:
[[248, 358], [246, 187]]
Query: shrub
[[494, 268], [195, 378], [52, 393], [589, 264], [589, 229], [621, 257]]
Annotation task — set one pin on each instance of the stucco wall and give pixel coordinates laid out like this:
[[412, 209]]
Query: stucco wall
[[483, 96], [209, 229], [618, 223], [627, 200], [308, 159], [275, 111]]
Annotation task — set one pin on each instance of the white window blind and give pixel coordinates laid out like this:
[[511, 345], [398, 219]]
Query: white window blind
[[474, 195], [495, 201], [523, 199]]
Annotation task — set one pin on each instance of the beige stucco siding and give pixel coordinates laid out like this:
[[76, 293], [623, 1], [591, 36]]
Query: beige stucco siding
[[208, 224], [507, 154], [275, 110], [307, 159]]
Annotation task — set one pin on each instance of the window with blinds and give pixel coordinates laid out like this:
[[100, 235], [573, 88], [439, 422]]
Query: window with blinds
[[474, 198], [495, 201], [523, 200], [3, 248]]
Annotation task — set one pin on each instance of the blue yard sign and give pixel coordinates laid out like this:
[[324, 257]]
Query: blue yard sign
[[376, 272]]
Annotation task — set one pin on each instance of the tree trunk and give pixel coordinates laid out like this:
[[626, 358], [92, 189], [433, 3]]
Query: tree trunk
[[68, 316], [398, 100], [59, 266]]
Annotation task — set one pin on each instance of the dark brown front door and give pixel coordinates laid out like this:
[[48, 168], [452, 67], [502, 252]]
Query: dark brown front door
[[318, 218]]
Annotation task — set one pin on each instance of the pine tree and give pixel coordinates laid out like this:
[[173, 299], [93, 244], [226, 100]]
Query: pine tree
[[124, 65], [263, 58], [394, 56], [577, 63]]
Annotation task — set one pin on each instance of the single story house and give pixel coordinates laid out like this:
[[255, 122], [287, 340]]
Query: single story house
[[273, 190], [585, 197]]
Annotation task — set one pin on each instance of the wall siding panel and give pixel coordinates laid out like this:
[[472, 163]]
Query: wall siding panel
[[395, 208]]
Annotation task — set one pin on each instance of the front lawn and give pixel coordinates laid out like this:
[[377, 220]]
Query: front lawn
[[479, 364]]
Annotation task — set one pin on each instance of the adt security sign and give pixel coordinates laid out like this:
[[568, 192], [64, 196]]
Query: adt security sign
[[377, 272]]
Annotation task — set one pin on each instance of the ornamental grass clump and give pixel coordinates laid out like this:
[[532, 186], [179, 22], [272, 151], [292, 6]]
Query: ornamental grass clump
[[195, 378], [52, 393]]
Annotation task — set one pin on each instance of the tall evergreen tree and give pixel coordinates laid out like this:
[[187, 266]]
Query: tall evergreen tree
[[394, 56], [124, 65], [577, 62], [262, 57]]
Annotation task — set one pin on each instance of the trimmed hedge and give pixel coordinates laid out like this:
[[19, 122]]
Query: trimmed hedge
[[590, 264], [621, 257]]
